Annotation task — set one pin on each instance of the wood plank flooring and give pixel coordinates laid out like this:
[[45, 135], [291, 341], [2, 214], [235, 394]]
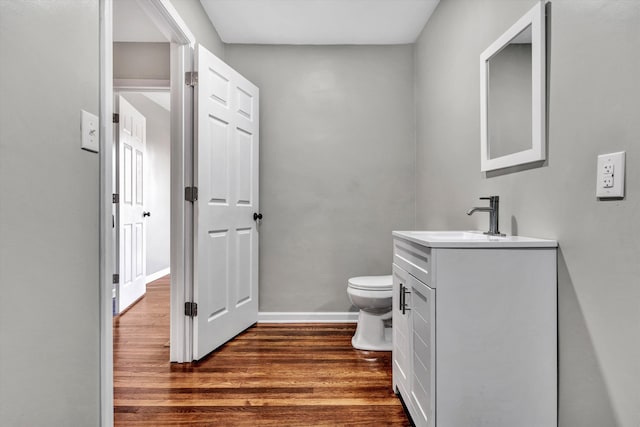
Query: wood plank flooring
[[270, 375]]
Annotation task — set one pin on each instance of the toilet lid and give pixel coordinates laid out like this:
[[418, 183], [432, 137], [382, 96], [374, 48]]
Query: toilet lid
[[372, 283]]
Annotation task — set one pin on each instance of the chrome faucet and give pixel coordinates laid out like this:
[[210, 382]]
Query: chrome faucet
[[494, 202]]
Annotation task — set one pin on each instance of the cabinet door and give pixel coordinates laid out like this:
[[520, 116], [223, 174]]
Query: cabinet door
[[401, 336], [423, 357]]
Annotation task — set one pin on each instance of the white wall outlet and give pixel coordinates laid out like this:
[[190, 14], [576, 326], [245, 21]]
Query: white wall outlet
[[90, 131], [610, 182]]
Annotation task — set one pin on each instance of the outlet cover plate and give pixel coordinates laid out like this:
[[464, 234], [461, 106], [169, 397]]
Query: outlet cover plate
[[614, 163]]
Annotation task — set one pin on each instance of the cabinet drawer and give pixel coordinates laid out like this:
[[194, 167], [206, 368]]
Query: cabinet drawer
[[415, 259]]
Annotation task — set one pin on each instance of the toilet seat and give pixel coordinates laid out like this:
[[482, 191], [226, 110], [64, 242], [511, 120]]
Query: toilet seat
[[371, 283]]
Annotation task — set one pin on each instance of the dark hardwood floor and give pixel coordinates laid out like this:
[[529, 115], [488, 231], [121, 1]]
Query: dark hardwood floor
[[270, 375]]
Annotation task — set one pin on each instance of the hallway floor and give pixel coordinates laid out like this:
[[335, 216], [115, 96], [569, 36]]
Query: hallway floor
[[270, 375]]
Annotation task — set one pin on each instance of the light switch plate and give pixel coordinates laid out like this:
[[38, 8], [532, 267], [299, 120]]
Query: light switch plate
[[90, 130], [610, 181]]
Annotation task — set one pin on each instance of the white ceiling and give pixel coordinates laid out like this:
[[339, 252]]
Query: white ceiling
[[319, 21], [131, 24]]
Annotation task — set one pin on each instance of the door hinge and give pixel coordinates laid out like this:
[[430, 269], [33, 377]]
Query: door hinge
[[191, 194], [116, 118], [116, 278], [191, 78], [115, 198], [190, 309]]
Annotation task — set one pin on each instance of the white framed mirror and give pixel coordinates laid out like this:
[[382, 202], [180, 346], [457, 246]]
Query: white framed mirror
[[512, 95]]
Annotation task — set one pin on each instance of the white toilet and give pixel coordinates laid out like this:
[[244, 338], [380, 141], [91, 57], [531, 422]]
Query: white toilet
[[372, 295]]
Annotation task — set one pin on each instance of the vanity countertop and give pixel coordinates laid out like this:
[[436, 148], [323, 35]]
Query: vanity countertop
[[471, 239]]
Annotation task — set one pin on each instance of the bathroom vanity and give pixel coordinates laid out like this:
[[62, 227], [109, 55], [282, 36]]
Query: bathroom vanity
[[475, 329]]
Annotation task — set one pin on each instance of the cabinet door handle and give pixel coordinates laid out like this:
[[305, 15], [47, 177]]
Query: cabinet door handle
[[400, 295], [404, 300]]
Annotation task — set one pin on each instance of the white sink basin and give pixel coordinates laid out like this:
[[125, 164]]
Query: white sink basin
[[471, 239]]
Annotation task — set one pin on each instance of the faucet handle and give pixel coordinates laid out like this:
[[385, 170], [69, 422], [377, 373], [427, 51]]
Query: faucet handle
[[492, 198]]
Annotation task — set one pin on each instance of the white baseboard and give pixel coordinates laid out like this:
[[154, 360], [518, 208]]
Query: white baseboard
[[309, 317], [158, 274]]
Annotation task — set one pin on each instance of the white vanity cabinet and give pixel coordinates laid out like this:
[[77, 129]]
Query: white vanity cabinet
[[475, 329]]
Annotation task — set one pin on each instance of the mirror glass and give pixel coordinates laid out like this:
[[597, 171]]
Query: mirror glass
[[512, 95], [509, 97]]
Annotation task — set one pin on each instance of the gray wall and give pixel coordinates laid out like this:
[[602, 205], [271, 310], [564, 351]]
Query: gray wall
[[141, 61], [157, 180], [336, 166], [593, 108], [49, 328]]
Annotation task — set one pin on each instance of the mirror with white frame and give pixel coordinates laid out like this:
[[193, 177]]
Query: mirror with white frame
[[512, 95]]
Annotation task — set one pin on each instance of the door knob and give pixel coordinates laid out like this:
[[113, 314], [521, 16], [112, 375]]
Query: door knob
[[146, 214], [257, 216]]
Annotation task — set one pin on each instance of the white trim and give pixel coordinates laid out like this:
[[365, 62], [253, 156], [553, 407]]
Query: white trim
[[141, 85], [536, 19], [106, 206], [168, 21], [158, 274], [181, 263], [307, 317]]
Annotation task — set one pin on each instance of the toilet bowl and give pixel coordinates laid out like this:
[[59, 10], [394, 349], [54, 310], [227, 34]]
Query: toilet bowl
[[372, 295]]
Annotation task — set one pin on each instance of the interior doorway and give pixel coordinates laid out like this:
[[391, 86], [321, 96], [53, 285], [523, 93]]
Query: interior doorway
[[150, 50], [163, 16], [214, 152], [141, 152]]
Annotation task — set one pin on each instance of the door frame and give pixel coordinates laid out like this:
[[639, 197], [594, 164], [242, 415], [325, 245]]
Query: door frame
[[182, 43]]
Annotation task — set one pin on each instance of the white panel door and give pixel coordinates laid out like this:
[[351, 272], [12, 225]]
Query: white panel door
[[131, 162], [226, 172]]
